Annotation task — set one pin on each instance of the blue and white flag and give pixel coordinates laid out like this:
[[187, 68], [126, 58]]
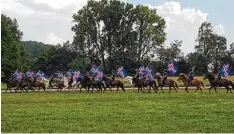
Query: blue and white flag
[[77, 75], [121, 72], [41, 75], [172, 69], [225, 70], [149, 73]]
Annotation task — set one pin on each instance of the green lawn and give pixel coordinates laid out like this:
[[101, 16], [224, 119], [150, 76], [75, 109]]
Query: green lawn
[[117, 112]]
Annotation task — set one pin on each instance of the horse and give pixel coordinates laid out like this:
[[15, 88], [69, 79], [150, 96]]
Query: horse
[[98, 85], [195, 82], [45, 82], [129, 79], [10, 83], [112, 83], [73, 83], [26, 82], [86, 82], [220, 83], [141, 84], [169, 82], [58, 83], [36, 83]]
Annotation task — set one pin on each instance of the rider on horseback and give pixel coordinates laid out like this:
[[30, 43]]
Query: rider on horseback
[[191, 75], [164, 74], [218, 74], [113, 75]]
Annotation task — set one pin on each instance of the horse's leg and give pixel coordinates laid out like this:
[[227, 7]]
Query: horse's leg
[[210, 88], [227, 87], [173, 85], [110, 89], [186, 89], [215, 89], [169, 88], [196, 89], [161, 89], [117, 89], [149, 89], [39, 89]]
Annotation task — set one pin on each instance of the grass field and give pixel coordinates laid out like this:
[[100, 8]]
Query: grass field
[[117, 112]]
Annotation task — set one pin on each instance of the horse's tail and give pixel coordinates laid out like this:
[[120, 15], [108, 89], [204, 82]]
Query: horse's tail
[[156, 87], [122, 86], [176, 84], [202, 84], [230, 82]]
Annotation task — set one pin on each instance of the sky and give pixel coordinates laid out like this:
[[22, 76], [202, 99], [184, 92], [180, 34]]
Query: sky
[[50, 21]]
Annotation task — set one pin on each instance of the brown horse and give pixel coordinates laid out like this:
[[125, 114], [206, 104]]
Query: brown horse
[[195, 82], [218, 83], [112, 83], [36, 83], [169, 82]]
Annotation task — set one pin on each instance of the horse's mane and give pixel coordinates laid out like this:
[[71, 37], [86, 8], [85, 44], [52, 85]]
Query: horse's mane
[[182, 74]]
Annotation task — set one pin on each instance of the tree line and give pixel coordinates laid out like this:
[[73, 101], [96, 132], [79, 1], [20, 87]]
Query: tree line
[[110, 34]]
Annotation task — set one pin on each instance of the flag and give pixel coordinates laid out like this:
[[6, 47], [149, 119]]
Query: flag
[[29, 73], [69, 73], [171, 68], [141, 71], [225, 70], [99, 74], [149, 73], [17, 75], [121, 72], [77, 75], [41, 75], [59, 74], [94, 70]]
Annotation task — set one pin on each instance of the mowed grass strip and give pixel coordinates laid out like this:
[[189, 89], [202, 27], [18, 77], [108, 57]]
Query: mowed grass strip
[[117, 112]]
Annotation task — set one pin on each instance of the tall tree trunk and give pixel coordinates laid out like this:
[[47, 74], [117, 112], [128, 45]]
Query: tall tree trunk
[[110, 51], [103, 62], [140, 40]]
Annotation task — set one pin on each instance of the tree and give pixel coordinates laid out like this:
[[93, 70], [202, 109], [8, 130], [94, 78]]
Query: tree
[[116, 32], [219, 50], [12, 51]]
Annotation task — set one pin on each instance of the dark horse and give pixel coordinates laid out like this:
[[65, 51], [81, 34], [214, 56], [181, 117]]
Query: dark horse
[[86, 82], [26, 82], [169, 82], [36, 83], [220, 83], [112, 83], [10, 83], [141, 84], [98, 85]]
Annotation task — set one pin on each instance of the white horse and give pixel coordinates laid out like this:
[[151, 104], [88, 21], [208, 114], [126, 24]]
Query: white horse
[[65, 82], [129, 79], [45, 82], [75, 84]]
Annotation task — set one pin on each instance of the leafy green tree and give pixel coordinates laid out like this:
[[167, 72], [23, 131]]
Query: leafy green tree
[[11, 50], [204, 43]]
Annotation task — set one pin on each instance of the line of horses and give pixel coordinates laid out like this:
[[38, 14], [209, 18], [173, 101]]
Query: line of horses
[[88, 83]]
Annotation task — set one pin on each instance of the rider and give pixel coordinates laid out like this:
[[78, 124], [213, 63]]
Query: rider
[[218, 74], [113, 75], [137, 74], [191, 75], [164, 74]]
